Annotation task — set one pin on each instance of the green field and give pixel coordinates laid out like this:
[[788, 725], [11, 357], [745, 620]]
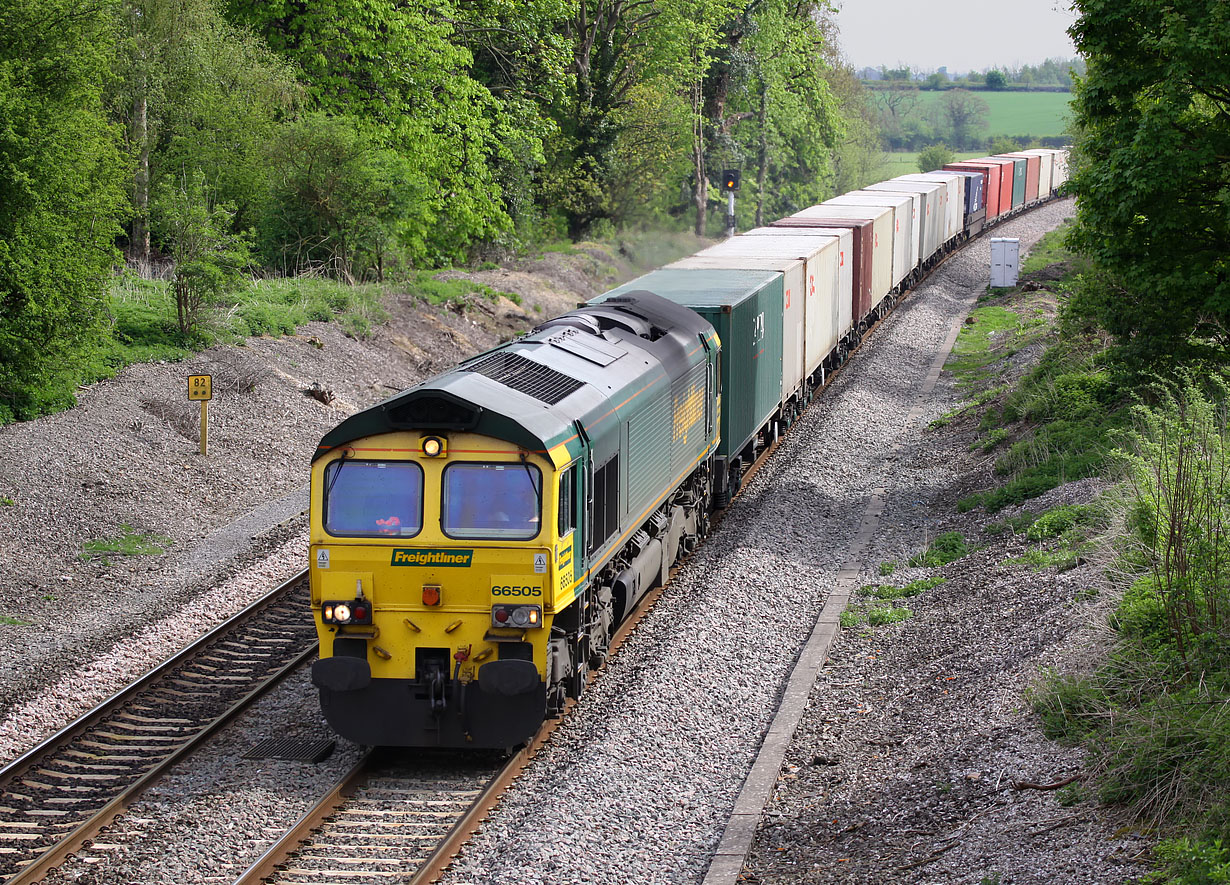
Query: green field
[[906, 162], [1020, 113]]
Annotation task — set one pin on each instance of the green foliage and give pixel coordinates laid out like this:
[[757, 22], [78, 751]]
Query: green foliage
[[339, 203], [193, 92], [973, 351], [996, 79], [1051, 249], [61, 179], [1014, 524], [888, 567], [1002, 144], [129, 542], [402, 72], [1156, 716], [879, 615], [937, 156], [947, 547], [1151, 173], [1195, 861], [1058, 520], [850, 618], [209, 257], [913, 588], [966, 114], [1177, 460], [1070, 408]]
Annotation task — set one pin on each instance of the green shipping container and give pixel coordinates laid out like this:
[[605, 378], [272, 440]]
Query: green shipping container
[[745, 307], [1019, 171]]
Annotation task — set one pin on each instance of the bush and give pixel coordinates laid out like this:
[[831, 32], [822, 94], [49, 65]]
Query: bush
[[946, 548], [1056, 521]]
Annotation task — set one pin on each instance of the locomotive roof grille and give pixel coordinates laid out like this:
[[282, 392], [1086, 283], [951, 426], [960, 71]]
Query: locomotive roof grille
[[531, 378]]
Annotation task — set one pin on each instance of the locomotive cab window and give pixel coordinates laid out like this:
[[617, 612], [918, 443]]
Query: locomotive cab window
[[496, 501], [373, 499], [567, 501]]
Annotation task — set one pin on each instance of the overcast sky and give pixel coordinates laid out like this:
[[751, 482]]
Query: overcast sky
[[926, 34]]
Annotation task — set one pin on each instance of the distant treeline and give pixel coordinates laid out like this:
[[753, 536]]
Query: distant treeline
[[1053, 75]]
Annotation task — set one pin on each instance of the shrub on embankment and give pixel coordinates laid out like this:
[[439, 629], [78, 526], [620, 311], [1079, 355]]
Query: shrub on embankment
[[1156, 715]]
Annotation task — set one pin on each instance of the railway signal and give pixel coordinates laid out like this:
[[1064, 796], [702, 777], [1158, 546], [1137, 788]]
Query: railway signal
[[730, 184]]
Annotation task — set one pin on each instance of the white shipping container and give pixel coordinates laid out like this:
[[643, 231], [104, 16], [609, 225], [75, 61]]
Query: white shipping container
[[843, 256], [1005, 261], [905, 211]]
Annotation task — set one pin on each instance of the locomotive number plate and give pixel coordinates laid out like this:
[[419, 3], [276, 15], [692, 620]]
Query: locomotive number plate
[[517, 586]]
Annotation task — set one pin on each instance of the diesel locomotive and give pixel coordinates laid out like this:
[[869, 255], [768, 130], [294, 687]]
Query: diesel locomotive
[[476, 539]]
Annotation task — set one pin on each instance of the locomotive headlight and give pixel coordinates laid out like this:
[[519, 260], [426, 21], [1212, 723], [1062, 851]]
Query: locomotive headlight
[[357, 612], [516, 616], [433, 446]]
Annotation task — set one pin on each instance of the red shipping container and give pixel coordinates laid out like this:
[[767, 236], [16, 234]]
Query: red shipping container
[[1006, 171], [990, 184]]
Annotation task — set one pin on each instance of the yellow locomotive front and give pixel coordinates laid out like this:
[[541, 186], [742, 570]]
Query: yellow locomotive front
[[438, 562]]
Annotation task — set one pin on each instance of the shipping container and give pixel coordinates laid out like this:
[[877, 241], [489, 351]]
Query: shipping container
[[932, 218], [873, 253], [1007, 181], [810, 283], [1020, 174], [745, 308], [1060, 176], [792, 264], [1046, 170], [954, 197], [975, 214], [1033, 174], [990, 183], [847, 265], [905, 243]]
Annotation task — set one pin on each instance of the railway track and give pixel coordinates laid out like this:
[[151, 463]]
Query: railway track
[[62, 792]]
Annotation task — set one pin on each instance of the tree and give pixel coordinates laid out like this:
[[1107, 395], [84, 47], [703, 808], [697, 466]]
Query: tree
[[61, 195], [208, 257], [996, 79], [401, 69], [965, 113], [896, 104], [937, 156], [1152, 173], [194, 92], [340, 200]]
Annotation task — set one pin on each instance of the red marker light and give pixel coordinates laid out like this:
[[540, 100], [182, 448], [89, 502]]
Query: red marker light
[[501, 616], [360, 613]]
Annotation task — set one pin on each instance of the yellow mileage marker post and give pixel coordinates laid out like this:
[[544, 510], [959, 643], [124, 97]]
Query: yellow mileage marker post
[[200, 387]]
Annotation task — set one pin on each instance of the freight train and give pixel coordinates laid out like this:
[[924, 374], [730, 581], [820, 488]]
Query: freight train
[[476, 539]]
